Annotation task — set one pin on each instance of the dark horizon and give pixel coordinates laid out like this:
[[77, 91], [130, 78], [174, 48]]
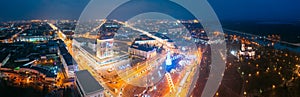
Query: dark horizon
[[229, 10]]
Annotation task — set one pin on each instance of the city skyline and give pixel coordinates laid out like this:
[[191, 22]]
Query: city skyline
[[150, 48]]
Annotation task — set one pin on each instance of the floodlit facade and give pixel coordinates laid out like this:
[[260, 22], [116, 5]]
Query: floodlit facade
[[105, 48]]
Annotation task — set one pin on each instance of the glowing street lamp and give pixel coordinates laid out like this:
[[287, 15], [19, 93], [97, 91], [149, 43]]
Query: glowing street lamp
[[273, 86]]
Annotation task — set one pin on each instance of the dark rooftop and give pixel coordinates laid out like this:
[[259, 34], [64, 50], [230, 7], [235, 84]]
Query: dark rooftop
[[143, 47], [63, 50], [144, 37], [68, 32], [68, 58], [66, 55], [87, 82]]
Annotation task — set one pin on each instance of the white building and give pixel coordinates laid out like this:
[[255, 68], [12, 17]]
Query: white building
[[105, 48]]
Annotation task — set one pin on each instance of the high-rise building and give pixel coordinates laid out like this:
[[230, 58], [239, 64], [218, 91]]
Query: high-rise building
[[105, 48], [105, 39]]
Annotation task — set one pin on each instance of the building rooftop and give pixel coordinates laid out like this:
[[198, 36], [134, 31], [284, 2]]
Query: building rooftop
[[68, 58], [107, 34], [144, 37], [108, 30], [87, 82], [143, 47], [68, 32], [63, 50], [65, 54], [85, 40]]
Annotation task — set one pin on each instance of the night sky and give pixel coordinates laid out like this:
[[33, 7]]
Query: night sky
[[225, 9]]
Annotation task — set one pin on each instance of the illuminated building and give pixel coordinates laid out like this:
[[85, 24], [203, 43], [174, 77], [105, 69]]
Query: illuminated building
[[97, 51], [105, 40], [105, 48], [68, 62], [34, 38], [144, 39], [247, 51], [143, 50], [39, 32], [148, 47]]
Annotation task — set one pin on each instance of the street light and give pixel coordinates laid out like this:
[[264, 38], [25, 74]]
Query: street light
[[273, 86]]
